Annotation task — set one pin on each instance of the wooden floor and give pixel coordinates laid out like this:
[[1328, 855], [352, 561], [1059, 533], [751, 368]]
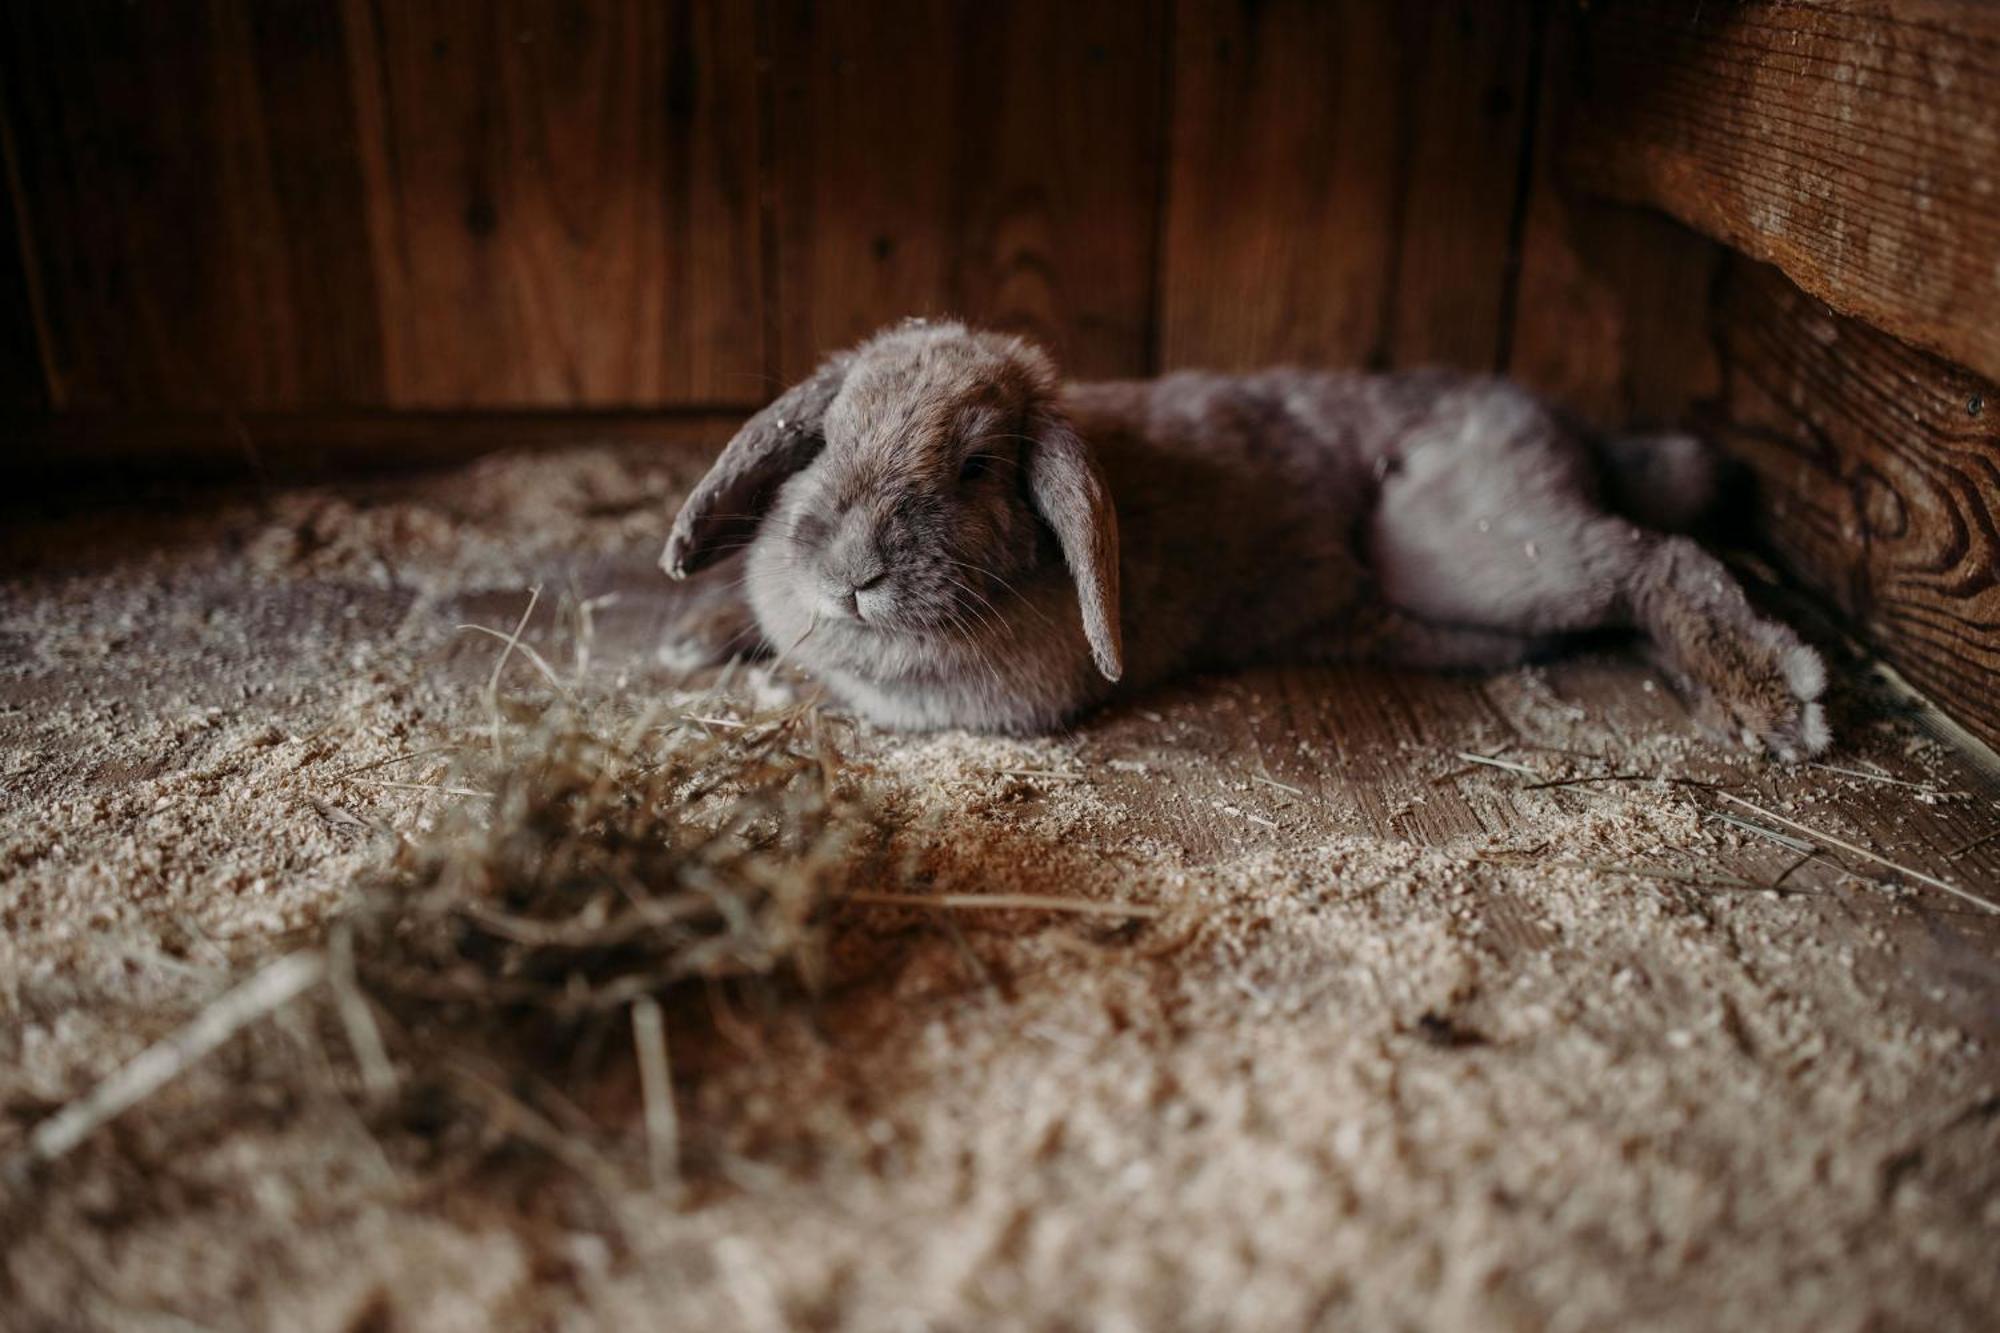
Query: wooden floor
[[1222, 766], [196, 714]]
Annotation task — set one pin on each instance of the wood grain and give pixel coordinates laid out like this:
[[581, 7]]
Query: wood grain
[[1880, 469], [996, 162], [1342, 182], [562, 200], [863, 235], [338, 204], [1611, 308], [1280, 224], [1465, 108], [193, 202], [23, 382], [1613, 312], [1223, 767], [1856, 146]]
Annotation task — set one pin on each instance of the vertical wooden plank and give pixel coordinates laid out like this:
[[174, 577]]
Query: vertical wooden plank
[[23, 384], [1611, 310], [864, 235], [1465, 111], [995, 162], [563, 203], [190, 188], [1058, 178], [294, 265], [1282, 185], [1612, 314], [1343, 181]]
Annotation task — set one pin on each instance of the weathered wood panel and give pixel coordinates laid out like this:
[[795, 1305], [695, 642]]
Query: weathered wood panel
[[1611, 308], [1463, 126], [1280, 226], [193, 201], [23, 382], [1880, 471], [995, 161], [1855, 145], [445, 205], [861, 234], [1342, 182], [562, 200], [1613, 312], [323, 204]]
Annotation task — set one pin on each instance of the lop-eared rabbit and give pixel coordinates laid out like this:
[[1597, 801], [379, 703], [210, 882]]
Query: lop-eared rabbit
[[949, 536]]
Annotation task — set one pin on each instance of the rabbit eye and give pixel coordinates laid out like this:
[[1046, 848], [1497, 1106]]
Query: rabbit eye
[[973, 468]]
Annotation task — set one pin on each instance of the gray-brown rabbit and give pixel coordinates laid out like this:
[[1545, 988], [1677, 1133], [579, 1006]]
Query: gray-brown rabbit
[[950, 537]]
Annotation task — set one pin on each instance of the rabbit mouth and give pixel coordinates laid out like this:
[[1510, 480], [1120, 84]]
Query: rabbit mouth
[[873, 608], [868, 626]]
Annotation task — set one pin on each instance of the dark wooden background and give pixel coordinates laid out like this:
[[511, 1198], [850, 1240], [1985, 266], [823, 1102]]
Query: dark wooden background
[[350, 229], [291, 206]]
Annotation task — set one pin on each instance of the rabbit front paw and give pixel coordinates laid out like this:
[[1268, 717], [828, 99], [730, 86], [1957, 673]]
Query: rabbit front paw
[[711, 626]]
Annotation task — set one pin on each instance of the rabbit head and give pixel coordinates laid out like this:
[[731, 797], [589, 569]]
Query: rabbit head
[[904, 495]]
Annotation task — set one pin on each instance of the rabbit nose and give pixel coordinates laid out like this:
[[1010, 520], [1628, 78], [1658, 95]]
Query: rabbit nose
[[852, 584], [855, 561], [856, 575]]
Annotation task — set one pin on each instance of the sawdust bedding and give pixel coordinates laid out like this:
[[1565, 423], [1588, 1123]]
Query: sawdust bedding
[[1344, 1078]]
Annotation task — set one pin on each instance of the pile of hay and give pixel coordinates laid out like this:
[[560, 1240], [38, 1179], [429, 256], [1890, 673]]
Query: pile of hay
[[578, 890]]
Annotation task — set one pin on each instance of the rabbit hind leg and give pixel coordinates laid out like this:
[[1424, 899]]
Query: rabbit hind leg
[[1513, 554], [1746, 677]]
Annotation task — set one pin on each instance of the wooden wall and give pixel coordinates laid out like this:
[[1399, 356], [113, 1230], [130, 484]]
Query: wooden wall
[[1854, 148], [337, 206], [304, 204]]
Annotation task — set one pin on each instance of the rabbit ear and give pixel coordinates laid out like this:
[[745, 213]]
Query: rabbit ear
[[1070, 494], [770, 447]]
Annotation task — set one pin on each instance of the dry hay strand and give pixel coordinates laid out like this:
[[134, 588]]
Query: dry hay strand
[[605, 871], [607, 886], [593, 886]]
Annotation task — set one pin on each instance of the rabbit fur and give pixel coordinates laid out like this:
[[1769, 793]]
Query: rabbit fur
[[949, 536]]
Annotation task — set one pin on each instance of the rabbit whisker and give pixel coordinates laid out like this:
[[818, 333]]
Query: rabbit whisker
[[984, 610], [1011, 590]]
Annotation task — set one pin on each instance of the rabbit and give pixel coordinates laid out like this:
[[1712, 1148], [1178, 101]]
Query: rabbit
[[948, 536]]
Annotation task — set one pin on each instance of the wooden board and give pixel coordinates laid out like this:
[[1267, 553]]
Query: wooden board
[[347, 204], [1464, 136], [23, 381], [1856, 146], [1282, 758], [1342, 183], [194, 213], [562, 200], [1280, 227], [996, 162], [1611, 312], [1880, 469]]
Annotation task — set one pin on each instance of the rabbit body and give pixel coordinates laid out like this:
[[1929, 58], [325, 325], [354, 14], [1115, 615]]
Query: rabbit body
[[1121, 533]]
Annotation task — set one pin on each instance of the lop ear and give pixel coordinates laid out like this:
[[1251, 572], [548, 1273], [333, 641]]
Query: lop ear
[[771, 446], [1069, 493]]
